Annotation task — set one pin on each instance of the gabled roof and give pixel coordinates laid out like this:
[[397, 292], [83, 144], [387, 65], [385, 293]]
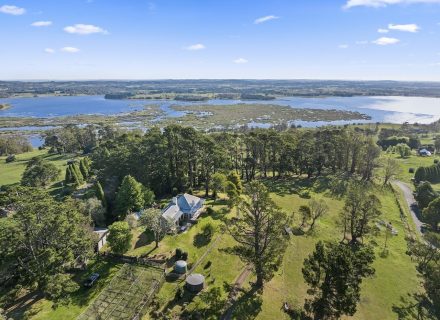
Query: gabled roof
[[183, 203], [187, 202], [172, 212]]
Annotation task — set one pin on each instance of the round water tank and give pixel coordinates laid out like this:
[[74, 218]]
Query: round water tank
[[180, 267], [195, 282]]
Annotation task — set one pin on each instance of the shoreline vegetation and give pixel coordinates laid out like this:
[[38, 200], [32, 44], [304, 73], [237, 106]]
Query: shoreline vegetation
[[4, 106], [223, 89], [202, 117]]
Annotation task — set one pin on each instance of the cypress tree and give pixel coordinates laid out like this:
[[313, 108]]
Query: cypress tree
[[83, 168], [100, 194], [420, 174], [78, 173], [69, 176]]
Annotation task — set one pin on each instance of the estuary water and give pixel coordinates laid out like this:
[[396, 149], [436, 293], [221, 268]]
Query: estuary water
[[380, 109]]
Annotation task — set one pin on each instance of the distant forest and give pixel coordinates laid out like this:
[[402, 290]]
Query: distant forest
[[222, 88]]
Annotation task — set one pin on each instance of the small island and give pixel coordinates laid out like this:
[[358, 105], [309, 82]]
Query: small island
[[4, 106]]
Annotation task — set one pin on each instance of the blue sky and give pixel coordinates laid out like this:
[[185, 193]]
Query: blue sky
[[162, 39]]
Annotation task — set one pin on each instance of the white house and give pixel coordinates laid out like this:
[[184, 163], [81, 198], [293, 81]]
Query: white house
[[424, 153], [182, 208]]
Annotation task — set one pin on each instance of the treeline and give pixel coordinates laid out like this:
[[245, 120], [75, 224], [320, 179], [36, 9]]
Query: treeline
[[72, 138], [14, 144], [180, 159]]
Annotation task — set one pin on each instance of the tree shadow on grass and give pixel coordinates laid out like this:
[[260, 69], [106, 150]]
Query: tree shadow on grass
[[201, 240], [24, 305], [180, 301], [144, 239], [248, 305], [289, 185]]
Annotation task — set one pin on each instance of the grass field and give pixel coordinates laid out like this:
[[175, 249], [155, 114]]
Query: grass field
[[395, 274], [10, 173]]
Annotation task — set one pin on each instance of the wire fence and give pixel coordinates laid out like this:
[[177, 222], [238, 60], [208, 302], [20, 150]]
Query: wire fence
[[128, 294]]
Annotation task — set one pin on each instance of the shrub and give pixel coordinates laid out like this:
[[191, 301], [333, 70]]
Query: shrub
[[184, 255], [305, 194], [210, 211], [10, 158], [178, 253], [411, 170], [208, 229], [175, 192], [207, 265], [179, 294], [436, 161]]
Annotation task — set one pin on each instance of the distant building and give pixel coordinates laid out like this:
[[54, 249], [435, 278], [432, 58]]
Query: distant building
[[184, 207], [425, 153], [102, 234]]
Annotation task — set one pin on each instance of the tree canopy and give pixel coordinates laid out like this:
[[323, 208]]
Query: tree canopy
[[42, 238], [39, 173], [259, 231], [334, 273]]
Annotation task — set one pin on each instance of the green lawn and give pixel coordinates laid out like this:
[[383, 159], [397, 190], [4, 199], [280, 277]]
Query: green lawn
[[10, 173], [395, 274]]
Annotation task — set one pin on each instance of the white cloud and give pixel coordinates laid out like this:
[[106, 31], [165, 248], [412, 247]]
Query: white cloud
[[49, 50], [70, 49], [404, 27], [383, 3], [195, 47], [84, 29], [41, 23], [380, 30], [240, 61], [343, 46], [265, 19], [384, 41], [14, 10]]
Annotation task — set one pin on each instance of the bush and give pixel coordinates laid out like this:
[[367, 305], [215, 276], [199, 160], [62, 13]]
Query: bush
[[10, 158], [436, 161], [210, 211], [184, 256], [179, 294], [305, 194], [207, 265], [178, 253], [208, 230], [411, 170], [175, 192]]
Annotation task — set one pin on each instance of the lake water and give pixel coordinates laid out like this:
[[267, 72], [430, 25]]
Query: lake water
[[380, 109]]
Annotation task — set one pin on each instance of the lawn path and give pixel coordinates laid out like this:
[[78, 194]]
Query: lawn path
[[412, 204], [234, 291]]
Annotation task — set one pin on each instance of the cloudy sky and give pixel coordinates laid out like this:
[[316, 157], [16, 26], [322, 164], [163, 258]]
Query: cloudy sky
[[283, 39]]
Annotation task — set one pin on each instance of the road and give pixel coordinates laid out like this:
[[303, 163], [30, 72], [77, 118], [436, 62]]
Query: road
[[412, 204]]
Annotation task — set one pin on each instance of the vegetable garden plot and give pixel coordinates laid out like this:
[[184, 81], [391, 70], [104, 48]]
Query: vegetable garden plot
[[127, 295]]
